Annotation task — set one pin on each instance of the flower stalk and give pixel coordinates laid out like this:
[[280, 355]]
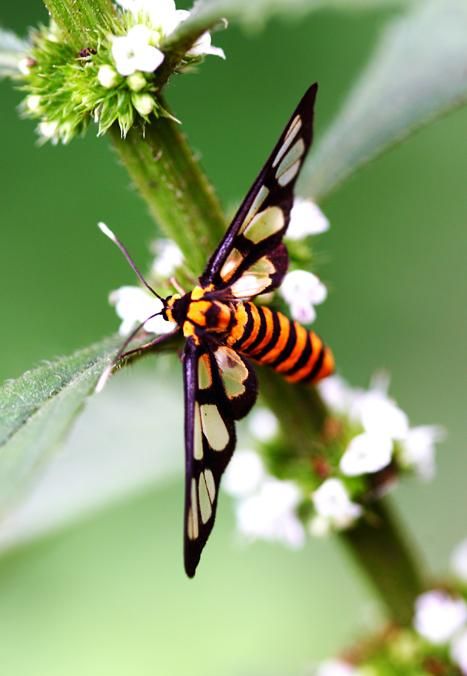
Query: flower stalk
[[181, 200]]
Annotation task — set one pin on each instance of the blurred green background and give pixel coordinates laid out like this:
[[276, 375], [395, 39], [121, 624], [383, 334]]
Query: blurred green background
[[109, 596]]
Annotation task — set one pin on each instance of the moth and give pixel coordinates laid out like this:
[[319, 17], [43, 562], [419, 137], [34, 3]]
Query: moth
[[226, 332]]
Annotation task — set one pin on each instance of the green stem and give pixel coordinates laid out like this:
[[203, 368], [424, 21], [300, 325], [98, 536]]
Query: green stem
[[380, 548], [179, 197], [79, 19]]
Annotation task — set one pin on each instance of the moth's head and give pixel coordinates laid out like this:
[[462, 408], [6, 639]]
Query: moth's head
[[176, 308]]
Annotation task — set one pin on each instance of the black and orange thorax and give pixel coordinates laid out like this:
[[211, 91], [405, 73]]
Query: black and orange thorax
[[255, 331]]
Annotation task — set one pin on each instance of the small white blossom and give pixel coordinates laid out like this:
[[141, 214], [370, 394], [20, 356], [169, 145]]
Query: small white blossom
[[166, 18], [24, 66], [263, 424], [365, 454], [379, 415], [244, 473], [134, 51], [332, 501], [33, 103], [459, 561], [107, 77], [418, 449], [168, 257], [133, 305], [459, 651], [48, 131], [270, 514], [438, 616], [337, 394], [203, 46], [303, 290], [306, 218], [335, 668]]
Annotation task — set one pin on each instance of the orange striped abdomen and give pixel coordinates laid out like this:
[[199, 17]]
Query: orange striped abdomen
[[271, 338]]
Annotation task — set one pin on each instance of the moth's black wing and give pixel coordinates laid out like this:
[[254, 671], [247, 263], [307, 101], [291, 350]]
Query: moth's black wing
[[251, 258], [220, 387]]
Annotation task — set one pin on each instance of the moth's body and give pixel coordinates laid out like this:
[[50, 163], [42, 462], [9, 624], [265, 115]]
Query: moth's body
[[225, 330], [255, 331]]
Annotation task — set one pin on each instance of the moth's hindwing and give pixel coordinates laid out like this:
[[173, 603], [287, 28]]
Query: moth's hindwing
[[220, 387], [249, 259]]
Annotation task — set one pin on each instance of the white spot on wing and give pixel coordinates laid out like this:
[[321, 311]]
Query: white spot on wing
[[197, 435], [289, 174], [294, 154], [257, 203], [265, 224], [204, 372], [249, 285], [231, 264], [291, 134], [214, 427], [210, 484], [234, 373], [205, 506], [193, 523]]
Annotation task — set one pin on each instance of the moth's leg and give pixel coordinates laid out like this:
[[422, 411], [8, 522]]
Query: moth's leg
[[124, 357]]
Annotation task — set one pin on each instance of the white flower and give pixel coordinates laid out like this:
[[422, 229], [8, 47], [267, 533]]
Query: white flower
[[24, 66], [302, 291], [165, 17], [418, 449], [332, 501], [133, 305], [459, 561], [337, 394], [263, 424], [335, 668], [438, 616], [136, 81], [270, 514], [203, 46], [134, 51], [365, 454], [459, 651], [48, 131], [306, 218], [33, 103], [244, 473], [107, 77], [168, 257], [379, 415]]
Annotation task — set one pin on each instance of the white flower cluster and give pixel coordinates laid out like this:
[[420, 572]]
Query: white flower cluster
[[133, 304], [266, 507], [441, 619], [336, 668], [385, 436], [300, 289], [139, 51]]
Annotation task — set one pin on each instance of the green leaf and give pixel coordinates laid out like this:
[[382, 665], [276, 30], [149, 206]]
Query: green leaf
[[37, 409], [418, 73], [12, 49], [127, 439], [206, 13]]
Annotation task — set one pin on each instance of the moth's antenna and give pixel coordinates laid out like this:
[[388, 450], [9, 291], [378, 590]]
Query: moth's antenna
[[108, 233], [107, 372]]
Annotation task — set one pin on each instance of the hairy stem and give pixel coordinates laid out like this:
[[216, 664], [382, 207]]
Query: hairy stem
[[380, 547], [79, 19], [178, 195]]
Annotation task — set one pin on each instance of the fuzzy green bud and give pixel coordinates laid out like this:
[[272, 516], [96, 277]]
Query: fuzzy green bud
[[107, 77], [136, 82], [144, 104]]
